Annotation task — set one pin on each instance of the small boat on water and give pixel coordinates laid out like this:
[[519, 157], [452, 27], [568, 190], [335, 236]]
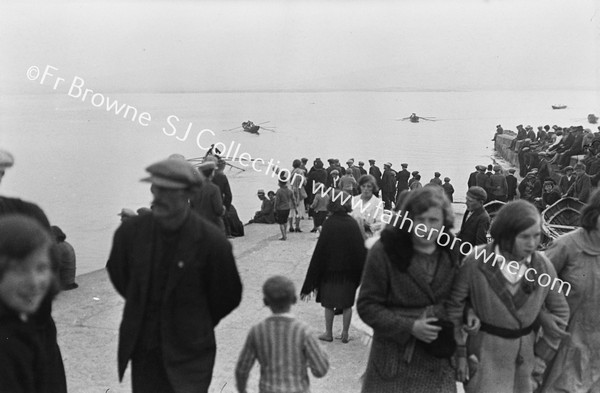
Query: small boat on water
[[592, 119], [492, 209], [559, 106], [250, 127], [561, 217]]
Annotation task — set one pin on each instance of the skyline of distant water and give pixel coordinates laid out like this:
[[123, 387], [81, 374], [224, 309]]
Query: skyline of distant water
[[82, 164]]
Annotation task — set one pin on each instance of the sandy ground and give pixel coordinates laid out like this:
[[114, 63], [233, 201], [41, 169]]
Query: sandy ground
[[88, 318]]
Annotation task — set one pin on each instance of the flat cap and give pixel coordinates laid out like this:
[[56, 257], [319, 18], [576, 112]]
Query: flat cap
[[497, 168], [478, 193], [512, 170], [480, 167], [388, 164], [568, 168], [6, 159], [371, 160], [414, 173], [404, 165], [361, 163], [260, 192], [437, 174], [144, 210], [176, 174], [127, 213], [446, 179]]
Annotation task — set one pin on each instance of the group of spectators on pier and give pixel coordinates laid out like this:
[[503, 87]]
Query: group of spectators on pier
[[436, 319], [545, 158]]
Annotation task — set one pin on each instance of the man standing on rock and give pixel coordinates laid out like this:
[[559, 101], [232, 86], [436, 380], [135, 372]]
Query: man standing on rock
[[179, 279]]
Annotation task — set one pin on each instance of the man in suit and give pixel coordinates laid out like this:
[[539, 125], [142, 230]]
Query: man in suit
[[473, 177], [402, 179], [511, 183], [375, 172], [583, 183], [476, 221], [178, 277], [388, 187]]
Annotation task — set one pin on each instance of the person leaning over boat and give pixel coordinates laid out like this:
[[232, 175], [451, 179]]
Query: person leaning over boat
[[406, 281], [576, 257], [206, 200], [508, 305], [476, 221]]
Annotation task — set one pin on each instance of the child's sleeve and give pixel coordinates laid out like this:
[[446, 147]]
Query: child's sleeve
[[317, 358], [245, 363]]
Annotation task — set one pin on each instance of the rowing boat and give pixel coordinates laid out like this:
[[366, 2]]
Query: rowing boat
[[561, 217], [492, 209], [559, 106]]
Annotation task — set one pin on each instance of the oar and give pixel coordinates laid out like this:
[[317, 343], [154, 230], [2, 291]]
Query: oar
[[268, 129], [233, 128]]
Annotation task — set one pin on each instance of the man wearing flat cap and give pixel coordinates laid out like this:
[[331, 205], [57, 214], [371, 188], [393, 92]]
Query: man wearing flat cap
[[375, 172], [497, 186], [530, 187], [402, 179], [511, 184], [388, 185], [178, 277], [476, 221]]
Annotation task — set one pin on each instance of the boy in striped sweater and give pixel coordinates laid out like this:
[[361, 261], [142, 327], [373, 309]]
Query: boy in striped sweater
[[284, 346]]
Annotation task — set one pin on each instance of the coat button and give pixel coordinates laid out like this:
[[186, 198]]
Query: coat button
[[180, 264]]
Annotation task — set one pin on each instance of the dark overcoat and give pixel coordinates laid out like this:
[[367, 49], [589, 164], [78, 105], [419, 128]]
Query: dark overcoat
[[475, 227], [202, 288]]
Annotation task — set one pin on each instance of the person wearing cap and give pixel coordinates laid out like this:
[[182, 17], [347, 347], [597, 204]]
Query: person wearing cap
[[413, 178], [316, 174], [583, 183], [416, 183], [511, 185], [567, 180], [126, 214], [499, 131], [266, 215], [361, 168], [402, 179], [334, 179], [448, 189], [531, 134], [530, 187], [497, 186], [476, 221], [206, 200], [436, 179], [42, 319], [550, 194], [388, 189], [481, 178], [473, 177], [355, 172], [179, 279], [376, 173]]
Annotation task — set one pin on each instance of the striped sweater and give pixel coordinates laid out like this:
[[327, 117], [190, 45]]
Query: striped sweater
[[285, 348]]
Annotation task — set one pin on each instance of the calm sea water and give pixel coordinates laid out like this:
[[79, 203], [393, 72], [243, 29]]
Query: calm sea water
[[82, 164]]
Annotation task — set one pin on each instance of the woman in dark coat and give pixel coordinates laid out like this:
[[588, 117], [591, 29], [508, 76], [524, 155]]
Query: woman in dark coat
[[406, 281], [336, 265], [27, 278]]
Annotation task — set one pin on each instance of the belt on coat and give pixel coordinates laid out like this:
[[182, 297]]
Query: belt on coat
[[509, 333]]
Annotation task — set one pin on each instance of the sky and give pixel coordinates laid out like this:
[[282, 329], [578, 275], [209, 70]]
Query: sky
[[193, 46]]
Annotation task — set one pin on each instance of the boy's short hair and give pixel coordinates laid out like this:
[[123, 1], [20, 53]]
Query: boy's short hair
[[279, 292]]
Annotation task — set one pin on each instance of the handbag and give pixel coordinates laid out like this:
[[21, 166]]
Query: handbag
[[445, 344]]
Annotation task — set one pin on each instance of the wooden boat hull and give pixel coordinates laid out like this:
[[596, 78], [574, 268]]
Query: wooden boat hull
[[561, 217], [559, 106], [492, 209], [252, 130]]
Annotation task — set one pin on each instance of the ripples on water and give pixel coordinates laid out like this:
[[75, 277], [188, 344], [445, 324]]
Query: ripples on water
[[82, 164]]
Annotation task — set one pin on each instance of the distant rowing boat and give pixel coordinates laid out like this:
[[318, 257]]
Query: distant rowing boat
[[561, 217], [559, 106]]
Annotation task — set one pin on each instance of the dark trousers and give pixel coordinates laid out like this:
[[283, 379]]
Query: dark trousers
[[148, 373], [388, 197]]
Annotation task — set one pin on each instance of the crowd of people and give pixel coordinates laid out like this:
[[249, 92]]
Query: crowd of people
[[437, 318]]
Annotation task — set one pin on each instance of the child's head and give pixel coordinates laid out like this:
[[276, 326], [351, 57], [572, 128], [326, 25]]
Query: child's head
[[279, 293], [27, 261]]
